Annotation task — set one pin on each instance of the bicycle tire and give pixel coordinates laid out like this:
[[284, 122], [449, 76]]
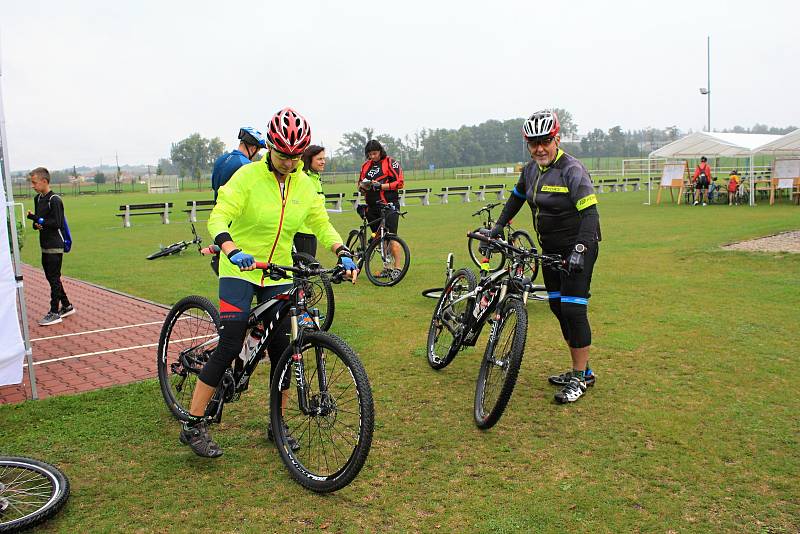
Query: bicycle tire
[[387, 276], [319, 294], [432, 292], [31, 491], [441, 354], [491, 398], [354, 244], [191, 320], [497, 258], [172, 249], [522, 239], [344, 417]]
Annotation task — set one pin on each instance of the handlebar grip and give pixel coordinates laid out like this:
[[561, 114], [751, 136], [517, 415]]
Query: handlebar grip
[[210, 250], [262, 265], [479, 237]]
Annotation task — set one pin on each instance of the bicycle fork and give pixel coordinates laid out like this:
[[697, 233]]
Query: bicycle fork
[[312, 407]]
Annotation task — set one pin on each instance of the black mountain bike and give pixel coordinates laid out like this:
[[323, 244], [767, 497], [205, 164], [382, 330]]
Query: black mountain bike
[[498, 298], [375, 252], [329, 412], [178, 247], [30, 492], [497, 258]]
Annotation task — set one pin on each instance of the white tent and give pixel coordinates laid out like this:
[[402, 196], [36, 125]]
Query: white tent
[[785, 145], [713, 144]]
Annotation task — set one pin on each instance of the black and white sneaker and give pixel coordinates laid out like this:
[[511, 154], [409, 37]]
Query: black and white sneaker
[[573, 391], [67, 310], [198, 438], [50, 318], [564, 378]]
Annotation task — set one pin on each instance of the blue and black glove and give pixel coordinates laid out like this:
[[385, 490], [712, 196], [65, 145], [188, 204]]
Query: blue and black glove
[[241, 259], [575, 260], [346, 258]]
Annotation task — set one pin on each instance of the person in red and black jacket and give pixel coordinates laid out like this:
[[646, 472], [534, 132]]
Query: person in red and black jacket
[[701, 180], [381, 180]]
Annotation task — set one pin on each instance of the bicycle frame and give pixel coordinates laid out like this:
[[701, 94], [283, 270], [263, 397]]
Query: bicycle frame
[[362, 232]]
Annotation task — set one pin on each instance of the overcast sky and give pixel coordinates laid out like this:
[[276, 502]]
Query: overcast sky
[[82, 80]]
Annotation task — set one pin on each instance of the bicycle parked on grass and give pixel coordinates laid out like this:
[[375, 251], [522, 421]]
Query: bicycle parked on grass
[[30, 492], [376, 252], [178, 247], [497, 258], [499, 298], [330, 412]]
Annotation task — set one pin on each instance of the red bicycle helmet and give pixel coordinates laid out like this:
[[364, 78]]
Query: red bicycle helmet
[[288, 132]]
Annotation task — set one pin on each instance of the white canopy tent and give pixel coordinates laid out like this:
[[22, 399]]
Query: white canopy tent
[[731, 145]]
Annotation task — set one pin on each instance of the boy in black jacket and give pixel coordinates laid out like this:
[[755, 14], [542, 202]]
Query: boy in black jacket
[[48, 219]]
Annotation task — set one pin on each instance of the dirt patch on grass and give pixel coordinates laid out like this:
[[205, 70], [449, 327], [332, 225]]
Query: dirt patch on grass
[[783, 242]]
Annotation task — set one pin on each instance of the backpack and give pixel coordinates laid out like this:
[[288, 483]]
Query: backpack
[[64, 230]]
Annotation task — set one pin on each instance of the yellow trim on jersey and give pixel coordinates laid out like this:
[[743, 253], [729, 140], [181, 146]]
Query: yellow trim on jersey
[[585, 202], [554, 189]]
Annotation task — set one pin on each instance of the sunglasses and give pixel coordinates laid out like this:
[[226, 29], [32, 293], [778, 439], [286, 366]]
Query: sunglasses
[[286, 157], [540, 141]]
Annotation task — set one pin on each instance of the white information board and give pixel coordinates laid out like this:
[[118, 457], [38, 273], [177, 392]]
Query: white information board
[[787, 168], [672, 171]]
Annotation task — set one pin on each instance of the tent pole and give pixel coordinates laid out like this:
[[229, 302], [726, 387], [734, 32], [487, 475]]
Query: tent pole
[[752, 183], [5, 169]]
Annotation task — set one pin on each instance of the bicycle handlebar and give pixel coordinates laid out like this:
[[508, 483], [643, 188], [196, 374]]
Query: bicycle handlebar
[[547, 259], [487, 208]]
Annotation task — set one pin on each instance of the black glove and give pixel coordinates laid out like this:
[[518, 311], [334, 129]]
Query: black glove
[[575, 260], [493, 232], [376, 186]]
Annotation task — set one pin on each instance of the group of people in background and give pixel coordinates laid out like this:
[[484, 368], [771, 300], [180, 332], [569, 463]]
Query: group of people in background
[[704, 184]]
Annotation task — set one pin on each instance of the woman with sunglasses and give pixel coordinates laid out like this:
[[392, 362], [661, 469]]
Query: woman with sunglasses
[[561, 196], [256, 216]]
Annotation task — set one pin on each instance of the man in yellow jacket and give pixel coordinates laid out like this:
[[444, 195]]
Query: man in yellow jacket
[[256, 216]]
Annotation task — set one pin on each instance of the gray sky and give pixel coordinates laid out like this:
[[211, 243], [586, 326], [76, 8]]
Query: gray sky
[[82, 80]]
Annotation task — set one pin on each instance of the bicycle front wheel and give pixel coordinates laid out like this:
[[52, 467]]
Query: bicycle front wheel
[[332, 416], [30, 492], [501, 363], [497, 258], [318, 291], [189, 336], [448, 319], [387, 260]]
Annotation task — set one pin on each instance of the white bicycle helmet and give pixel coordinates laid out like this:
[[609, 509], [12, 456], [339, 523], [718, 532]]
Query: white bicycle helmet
[[540, 124]]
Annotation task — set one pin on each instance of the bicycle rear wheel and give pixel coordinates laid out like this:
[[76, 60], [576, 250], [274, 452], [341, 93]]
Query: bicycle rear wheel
[[522, 239], [172, 249], [497, 258], [501, 363], [318, 291], [387, 260], [355, 245], [335, 432], [448, 319], [189, 336], [30, 492]]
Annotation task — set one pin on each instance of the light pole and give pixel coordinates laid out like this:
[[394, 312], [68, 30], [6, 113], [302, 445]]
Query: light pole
[[707, 89]]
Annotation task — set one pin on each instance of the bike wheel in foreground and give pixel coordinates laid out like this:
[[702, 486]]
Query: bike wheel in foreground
[[318, 291], [501, 362], [448, 319], [387, 260], [30, 492], [189, 336], [172, 249], [334, 428], [497, 259]]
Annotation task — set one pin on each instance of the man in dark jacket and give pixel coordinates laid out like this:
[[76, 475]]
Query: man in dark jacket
[[49, 219]]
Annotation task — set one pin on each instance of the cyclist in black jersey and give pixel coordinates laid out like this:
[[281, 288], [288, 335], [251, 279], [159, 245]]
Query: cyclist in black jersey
[[559, 190]]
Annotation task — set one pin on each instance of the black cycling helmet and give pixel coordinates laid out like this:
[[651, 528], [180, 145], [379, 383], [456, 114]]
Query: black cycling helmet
[[373, 145], [251, 136]]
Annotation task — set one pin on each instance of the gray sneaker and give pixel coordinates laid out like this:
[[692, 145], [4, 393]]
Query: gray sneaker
[[290, 440], [50, 318], [564, 378], [67, 310], [198, 438]]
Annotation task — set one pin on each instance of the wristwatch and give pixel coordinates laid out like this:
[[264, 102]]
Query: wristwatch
[[580, 248]]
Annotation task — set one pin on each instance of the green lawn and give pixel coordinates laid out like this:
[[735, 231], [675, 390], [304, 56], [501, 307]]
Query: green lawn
[[692, 426]]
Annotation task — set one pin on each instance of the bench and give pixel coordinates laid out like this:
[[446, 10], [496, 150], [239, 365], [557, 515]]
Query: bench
[[497, 189], [115, 190], [612, 183], [128, 209], [335, 199], [87, 192], [463, 190], [357, 199], [423, 194], [198, 205]]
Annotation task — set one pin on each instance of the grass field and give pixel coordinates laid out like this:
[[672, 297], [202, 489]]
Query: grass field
[[692, 426]]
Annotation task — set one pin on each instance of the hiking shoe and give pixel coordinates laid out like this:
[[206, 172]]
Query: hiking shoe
[[293, 443], [198, 438], [696, 203], [67, 310], [563, 379], [50, 318], [573, 391]]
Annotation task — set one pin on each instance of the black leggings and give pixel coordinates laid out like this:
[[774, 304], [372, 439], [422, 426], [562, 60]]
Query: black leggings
[[569, 297], [235, 296]]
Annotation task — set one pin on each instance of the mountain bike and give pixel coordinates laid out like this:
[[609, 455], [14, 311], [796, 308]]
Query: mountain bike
[[329, 412], [497, 258], [497, 298], [30, 492], [178, 247], [375, 252]]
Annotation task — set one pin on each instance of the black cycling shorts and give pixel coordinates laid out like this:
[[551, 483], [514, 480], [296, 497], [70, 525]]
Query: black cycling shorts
[[702, 183]]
